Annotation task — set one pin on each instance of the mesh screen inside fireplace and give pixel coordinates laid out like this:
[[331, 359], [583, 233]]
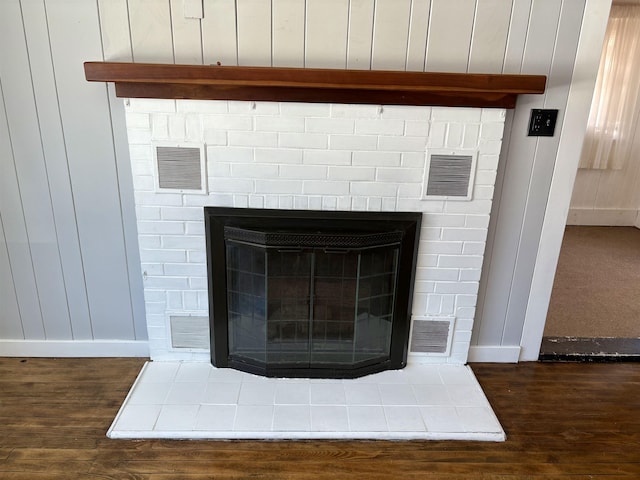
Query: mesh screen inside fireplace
[[308, 293]]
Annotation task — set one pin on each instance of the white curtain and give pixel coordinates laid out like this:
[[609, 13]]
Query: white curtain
[[616, 101]]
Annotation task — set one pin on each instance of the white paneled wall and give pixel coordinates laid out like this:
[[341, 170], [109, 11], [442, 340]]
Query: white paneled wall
[[65, 198]]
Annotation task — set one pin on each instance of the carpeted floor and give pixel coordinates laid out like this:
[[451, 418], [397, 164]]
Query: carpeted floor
[[597, 286]]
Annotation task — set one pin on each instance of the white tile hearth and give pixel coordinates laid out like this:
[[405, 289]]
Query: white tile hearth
[[186, 400]]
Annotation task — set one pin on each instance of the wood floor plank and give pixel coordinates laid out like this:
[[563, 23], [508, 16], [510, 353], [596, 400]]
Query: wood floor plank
[[563, 421]]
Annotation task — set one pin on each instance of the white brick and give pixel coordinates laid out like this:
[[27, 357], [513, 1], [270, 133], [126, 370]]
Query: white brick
[[172, 228], [139, 136], [271, 201], [457, 287], [464, 234], [198, 283], [390, 204], [231, 185], [254, 108], [427, 260], [221, 199], [218, 169], [256, 201], [137, 120], [202, 106], [379, 127], [359, 204], [459, 261], [174, 300], [435, 207], [483, 192], [490, 147], [374, 204], [303, 172], [493, 114], [414, 128], [149, 241], [329, 125], [153, 269], [477, 221], [470, 275], [433, 304], [464, 320], [351, 173], [315, 202], [411, 190], [203, 300], [142, 167], [278, 155], [155, 296], [295, 109], [475, 206], [230, 154], [183, 241], [240, 201], [185, 269], [437, 134], [194, 228], [196, 200], [423, 287], [406, 112], [155, 308], [253, 139], [376, 159], [278, 186], [141, 153], [300, 202], [143, 183], [329, 203], [279, 124], [344, 202], [437, 274], [413, 160], [374, 189], [402, 144], [167, 283], [194, 128], [355, 111], [486, 177], [454, 135], [214, 137], [447, 305], [488, 162], [473, 248], [177, 127], [285, 201], [441, 248], [471, 136], [253, 170], [457, 114], [196, 256], [146, 105], [352, 142], [466, 300], [419, 306], [400, 175], [182, 213], [227, 122], [410, 204], [430, 233], [303, 140], [326, 157], [190, 300], [162, 255], [326, 187], [147, 213], [444, 221]]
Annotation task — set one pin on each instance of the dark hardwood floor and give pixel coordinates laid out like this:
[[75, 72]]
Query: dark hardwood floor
[[563, 421]]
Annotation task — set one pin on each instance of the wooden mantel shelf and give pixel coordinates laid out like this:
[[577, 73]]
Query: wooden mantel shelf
[[146, 80]]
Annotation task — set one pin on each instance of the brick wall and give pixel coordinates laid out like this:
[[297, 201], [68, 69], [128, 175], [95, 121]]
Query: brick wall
[[312, 156]]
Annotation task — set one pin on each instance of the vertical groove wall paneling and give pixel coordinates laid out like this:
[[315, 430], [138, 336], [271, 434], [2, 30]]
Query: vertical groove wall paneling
[[556, 95], [288, 33], [326, 26], [360, 34], [44, 87], [450, 26], [151, 36], [114, 27], [187, 41], [390, 35], [84, 111], [490, 32], [219, 39], [418, 25], [31, 172], [11, 324], [517, 37], [254, 33]]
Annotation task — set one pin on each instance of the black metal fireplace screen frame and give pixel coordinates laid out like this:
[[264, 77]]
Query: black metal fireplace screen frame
[[287, 228]]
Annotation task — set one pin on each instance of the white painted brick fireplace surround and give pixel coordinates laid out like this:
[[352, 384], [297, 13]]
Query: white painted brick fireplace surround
[[317, 157]]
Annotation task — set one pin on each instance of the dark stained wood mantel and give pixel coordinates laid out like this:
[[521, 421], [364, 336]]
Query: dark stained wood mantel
[[204, 82]]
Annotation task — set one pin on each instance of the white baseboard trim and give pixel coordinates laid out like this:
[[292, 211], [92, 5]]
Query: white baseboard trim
[[73, 348], [497, 354], [613, 217]]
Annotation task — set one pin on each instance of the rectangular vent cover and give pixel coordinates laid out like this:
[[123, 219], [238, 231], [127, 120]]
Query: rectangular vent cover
[[449, 176], [431, 336], [189, 332], [180, 168]]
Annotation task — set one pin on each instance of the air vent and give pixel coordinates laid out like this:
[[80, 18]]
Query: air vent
[[431, 336], [449, 176], [180, 168], [189, 332]]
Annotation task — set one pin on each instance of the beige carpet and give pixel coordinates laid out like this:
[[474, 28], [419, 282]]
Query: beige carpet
[[597, 287]]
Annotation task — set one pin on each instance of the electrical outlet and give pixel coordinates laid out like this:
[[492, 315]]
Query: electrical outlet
[[542, 122]]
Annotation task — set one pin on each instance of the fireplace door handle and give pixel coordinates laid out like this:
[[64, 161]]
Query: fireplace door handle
[[340, 251], [290, 250]]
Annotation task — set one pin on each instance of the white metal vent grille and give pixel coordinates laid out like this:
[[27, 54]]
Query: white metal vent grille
[[449, 176], [179, 168], [189, 332], [431, 336]]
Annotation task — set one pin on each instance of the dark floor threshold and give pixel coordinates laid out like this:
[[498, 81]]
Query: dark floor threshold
[[579, 349]]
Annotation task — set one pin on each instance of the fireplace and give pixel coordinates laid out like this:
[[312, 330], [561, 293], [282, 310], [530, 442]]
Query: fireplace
[[300, 293]]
